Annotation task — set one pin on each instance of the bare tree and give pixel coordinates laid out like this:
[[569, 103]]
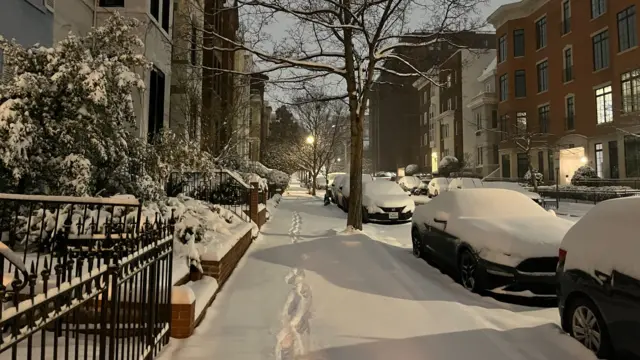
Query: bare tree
[[324, 124], [342, 44]]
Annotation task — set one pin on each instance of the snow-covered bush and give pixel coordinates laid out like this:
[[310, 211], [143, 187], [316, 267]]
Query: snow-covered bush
[[584, 173], [251, 178], [529, 179], [411, 169], [449, 164], [70, 111], [278, 178]]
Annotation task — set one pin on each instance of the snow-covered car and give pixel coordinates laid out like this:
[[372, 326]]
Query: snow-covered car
[[515, 187], [385, 201], [343, 189], [437, 186], [382, 175], [335, 184], [599, 279], [497, 239], [321, 182], [460, 183], [331, 177], [408, 183]]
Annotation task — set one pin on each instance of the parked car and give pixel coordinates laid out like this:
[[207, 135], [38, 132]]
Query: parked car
[[385, 201], [321, 182], [337, 180], [437, 186], [383, 175], [409, 183], [460, 183], [342, 195], [331, 177], [494, 239], [515, 187], [599, 279]]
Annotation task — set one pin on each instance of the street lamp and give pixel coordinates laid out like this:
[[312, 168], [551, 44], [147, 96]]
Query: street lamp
[[338, 159], [310, 139]]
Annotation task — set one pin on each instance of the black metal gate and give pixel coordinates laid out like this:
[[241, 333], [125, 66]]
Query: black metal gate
[[83, 278]]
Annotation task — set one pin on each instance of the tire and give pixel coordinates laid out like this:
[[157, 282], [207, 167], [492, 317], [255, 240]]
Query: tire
[[365, 215], [417, 246], [583, 317], [435, 193], [470, 272]]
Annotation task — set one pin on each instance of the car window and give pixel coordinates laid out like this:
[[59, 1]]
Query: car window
[[483, 202]]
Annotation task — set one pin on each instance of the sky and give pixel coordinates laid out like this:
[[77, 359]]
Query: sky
[[278, 32]]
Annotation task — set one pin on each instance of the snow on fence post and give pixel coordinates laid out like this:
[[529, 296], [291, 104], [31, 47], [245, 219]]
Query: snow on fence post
[[253, 203]]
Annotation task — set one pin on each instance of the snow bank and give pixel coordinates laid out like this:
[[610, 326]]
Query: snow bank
[[590, 245]]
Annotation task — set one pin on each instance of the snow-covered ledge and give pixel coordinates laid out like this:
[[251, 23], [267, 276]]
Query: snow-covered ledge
[[219, 265]]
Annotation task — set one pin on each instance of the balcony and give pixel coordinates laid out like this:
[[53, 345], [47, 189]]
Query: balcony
[[567, 74], [483, 98]]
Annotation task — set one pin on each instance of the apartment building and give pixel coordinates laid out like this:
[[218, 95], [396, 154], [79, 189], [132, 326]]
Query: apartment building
[[445, 101], [29, 22], [570, 69], [394, 105], [152, 105], [242, 86], [259, 121]]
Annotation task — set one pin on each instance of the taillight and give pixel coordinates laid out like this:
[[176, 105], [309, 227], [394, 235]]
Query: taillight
[[562, 255]]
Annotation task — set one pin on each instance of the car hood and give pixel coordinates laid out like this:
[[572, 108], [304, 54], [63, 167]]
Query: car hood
[[390, 200], [508, 240]]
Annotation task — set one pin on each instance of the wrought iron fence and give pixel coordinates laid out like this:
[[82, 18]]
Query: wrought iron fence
[[91, 281], [223, 188]]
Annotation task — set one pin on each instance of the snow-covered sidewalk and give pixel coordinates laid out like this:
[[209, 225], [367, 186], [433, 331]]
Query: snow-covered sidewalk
[[368, 299]]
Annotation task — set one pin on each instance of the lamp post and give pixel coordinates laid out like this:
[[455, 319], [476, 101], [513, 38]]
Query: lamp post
[[312, 141]]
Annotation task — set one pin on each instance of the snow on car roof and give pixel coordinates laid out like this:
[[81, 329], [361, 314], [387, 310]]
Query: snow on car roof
[[486, 202], [383, 188], [606, 238]]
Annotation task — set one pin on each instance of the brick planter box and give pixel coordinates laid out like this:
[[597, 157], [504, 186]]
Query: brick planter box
[[221, 270], [183, 320]]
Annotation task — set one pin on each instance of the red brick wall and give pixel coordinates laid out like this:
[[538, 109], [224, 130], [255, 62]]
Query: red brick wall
[[221, 270], [183, 320]]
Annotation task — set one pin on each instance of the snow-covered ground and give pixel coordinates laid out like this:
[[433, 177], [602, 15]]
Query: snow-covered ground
[[307, 290]]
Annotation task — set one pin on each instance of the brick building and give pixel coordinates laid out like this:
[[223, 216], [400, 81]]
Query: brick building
[[394, 105], [570, 69]]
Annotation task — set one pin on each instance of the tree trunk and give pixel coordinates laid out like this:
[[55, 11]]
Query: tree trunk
[[354, 218], [313, 184]]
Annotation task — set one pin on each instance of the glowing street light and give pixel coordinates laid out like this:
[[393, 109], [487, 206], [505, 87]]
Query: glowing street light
[[338, 159], [310, 139]]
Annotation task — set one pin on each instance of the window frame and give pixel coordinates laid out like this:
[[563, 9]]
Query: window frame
[[630, 101], [567, 61], [543, 118], [542, 72], [566, 17], [627, 20], [111, 3], [502, 48], [520, 74], [504, 87], [607, 110], [570, 112], [600, 48], [598, 8], [518, 34], [541, 32]]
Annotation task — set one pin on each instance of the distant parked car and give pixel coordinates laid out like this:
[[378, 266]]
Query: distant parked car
[[331, 177], [437, 186], [335, 184], [321, 182], [385, 201], [599, 279], [494, 239], [460, 183], [343, 189], [382, 175], [409, 183]]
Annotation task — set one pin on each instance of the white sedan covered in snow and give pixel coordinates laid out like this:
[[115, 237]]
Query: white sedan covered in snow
[[386, 201], [496, 239]]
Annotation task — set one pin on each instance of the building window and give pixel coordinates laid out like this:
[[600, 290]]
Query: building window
[[604, 105], [426, 118], [541, 162], [496, 154], [432, 131], [541, 33], [479, 156], [155, 120], [504, 87], [494, 119], [630, 83], [598, 7], [425, 139], [543, 76], [543, 119], [627, 32], [518, 42], [632, 155], [614, 171], [601, 50], [449, 102], [154, 9], [478, 121], [166, 12], [521, 122], [571, 110], [111, 3], [551, 166], [502, 48], [566, 17], [521, 84], [426, 160], [504, 132], [506, 166], [599, 160], [567, 74], [456, 128]]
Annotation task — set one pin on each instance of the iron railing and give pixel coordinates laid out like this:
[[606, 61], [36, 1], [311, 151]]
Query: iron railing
[[222, 188], [102, 291]]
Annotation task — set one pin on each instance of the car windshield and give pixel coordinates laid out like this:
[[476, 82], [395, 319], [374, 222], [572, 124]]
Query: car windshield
[[383, 188], [484, 202], [332, 176]]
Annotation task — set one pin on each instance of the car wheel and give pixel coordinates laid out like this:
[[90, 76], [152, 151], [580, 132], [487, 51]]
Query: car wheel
[[469, 271], [587, 326], [435, 193], [417, 243], [365, 215]]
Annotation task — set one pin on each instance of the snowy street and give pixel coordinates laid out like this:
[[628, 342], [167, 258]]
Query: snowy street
[[368, 299]]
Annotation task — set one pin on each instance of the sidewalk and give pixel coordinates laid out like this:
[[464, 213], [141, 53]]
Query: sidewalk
[[245, 317]]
